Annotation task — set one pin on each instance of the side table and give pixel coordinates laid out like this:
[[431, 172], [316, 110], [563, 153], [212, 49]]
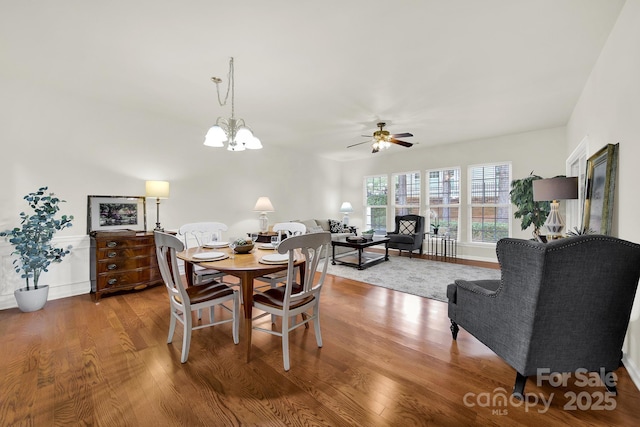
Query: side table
[[442, 246], [265, 237]]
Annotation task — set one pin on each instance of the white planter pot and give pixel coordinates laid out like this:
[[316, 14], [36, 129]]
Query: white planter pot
[[32, 299]]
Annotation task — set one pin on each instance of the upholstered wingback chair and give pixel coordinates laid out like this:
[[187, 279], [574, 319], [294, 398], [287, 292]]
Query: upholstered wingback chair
[[561, 306], [408, 235]]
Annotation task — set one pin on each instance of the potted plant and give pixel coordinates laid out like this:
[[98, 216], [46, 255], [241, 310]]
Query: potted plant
[[368, 234], [531, 212], [32, 245]]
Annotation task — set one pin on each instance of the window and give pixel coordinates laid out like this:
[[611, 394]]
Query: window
[[376, 188], [406, 193], [443, 201], [490, 205]]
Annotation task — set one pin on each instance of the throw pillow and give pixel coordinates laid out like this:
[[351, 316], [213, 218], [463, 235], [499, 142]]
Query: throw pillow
[[315, 229], [335, 226], [407, 227]]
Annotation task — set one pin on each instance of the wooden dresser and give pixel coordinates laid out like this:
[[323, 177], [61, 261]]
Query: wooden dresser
[[122, 260]]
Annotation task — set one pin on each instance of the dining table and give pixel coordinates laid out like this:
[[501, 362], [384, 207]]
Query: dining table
[[244, 266]]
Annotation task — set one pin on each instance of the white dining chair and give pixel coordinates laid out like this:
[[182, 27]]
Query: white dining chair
[[199, 234], [296, 297], [287, 229], [183, 301]]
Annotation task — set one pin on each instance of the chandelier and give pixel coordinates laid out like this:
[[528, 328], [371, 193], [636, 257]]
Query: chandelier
[[234, 132]]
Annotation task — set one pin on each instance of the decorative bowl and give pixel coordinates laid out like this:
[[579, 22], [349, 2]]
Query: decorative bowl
[[368, 236], [244, 249]]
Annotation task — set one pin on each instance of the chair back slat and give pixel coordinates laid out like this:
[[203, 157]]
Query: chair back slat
[[291, 228], [201, 232], [166, 248], [314, 248]]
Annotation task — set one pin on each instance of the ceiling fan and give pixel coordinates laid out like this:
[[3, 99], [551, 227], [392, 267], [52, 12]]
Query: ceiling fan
[[383, 139]]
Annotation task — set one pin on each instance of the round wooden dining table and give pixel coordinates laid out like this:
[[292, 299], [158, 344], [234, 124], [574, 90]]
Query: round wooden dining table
[[246, 267]]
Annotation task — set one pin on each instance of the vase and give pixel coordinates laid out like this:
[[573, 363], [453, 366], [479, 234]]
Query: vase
[[32, 299]]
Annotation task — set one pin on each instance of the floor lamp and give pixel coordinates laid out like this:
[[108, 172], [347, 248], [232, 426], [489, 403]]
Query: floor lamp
[[158, 190]]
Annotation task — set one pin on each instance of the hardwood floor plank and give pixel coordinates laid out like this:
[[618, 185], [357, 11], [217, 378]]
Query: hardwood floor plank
[[388, 359]]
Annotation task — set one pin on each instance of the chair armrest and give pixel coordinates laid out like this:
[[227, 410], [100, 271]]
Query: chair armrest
[[486, 288]]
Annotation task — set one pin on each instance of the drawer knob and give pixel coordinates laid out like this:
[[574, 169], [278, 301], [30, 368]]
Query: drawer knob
[[112, 244], [112, 281], [112, 267], [112, 254]]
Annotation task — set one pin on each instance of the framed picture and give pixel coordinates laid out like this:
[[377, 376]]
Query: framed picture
[[600, 187], [108, 213]]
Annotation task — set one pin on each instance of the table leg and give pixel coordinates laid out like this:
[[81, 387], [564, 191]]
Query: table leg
[[333, 254], [188, 273], [246, 281], [360, 258], [386, 251]]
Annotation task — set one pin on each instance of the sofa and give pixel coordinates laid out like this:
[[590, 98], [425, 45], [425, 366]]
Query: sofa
[[319, 225]]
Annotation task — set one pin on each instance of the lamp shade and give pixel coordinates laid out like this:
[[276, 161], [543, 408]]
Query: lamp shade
[[559, 188], [157, 189], [215, 137], [346, 207], [263, 205]]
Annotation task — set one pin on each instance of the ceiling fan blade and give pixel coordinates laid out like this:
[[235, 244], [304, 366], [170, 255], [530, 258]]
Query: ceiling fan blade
[[403, 143], [401, 135], [359, 143], [366, 136]]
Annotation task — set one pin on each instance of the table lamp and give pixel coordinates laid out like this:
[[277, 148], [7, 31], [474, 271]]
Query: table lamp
[[159, 190], [554, 189], [263, 205], [345, 209]]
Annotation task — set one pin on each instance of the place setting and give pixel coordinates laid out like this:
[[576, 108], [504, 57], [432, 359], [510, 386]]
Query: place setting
[[274, 258], [216, 245], [210, 256]]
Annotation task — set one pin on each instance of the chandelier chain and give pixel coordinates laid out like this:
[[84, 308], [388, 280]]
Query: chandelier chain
[[230, 86]]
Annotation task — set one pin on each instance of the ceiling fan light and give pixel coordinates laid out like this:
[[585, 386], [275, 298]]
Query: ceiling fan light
[[215, 137]]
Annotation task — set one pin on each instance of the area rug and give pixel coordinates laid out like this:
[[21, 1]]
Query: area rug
[[415, 276]]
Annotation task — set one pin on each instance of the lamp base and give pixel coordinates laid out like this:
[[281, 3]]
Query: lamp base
[[345, 219], [554, 223], [263, 222], [158, 228]]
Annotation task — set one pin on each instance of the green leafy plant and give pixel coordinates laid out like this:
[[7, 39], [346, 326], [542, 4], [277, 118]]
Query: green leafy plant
[[580, 231], [529, 211], [32, 241]]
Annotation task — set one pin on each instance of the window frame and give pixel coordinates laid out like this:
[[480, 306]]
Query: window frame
[[470, 205], [429, 206], [366, 210], [418, 205]]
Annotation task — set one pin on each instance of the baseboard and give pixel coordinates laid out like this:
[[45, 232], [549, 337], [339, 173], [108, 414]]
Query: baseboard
[[55, 292], [632, 369]]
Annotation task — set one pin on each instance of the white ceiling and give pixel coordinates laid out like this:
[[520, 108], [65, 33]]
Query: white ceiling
[[316, 75]]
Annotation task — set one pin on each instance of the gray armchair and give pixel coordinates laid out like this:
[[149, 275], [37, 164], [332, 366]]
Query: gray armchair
[[562, 306], [407, 240]]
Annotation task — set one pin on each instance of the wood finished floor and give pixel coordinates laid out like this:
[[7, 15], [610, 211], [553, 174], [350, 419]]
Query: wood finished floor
[[388, 360]]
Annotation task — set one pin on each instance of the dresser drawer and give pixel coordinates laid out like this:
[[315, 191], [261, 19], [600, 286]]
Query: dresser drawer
[[119, 264], [141, 276], [125, 253], [123, 242]]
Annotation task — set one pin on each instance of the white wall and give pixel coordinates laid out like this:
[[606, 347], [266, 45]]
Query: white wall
[[80, 147], [608, 112], [538, 151]]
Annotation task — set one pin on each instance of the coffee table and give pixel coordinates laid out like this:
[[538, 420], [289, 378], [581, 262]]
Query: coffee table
[[363, 259]]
